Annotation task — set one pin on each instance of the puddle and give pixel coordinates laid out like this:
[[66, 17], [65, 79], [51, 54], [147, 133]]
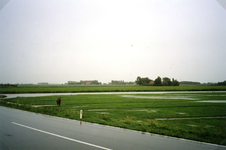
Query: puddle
[[206, 126], [159, 97], [103, 112], [78, 106], [181, 113], [213, 101], [152, 111], [146, 110], [189, 118], [43, 105], [98, 109], [192, 125], [214, 95], [209, 126]]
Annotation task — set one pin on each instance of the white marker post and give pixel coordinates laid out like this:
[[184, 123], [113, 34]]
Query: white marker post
[[80, 114]]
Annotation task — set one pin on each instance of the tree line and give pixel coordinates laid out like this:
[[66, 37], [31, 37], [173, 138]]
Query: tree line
[[157, 82], [222, 83], [84, 82], [120, 82], [8, 85], [189, 82]]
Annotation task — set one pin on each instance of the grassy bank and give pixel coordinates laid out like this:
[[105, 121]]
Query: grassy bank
[[102, 88], [141, 112]]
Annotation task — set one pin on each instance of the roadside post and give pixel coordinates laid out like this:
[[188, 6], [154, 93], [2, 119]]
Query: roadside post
[[80, 114]]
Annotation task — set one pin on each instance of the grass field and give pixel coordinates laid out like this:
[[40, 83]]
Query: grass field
[[106, 88], [173, 114]]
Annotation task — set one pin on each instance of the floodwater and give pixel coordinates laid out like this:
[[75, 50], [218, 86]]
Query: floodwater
[[213, 101], [98, 109], [44, 105], [160, 97], [52, 94], [146, 110]]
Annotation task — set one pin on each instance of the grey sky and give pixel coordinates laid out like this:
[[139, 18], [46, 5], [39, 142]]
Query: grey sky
[[60, 40]]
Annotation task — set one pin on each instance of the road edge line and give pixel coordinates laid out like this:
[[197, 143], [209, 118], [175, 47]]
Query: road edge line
[[64, 137]]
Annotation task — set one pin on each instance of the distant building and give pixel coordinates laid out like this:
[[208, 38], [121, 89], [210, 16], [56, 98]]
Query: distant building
[[152, 82], [89, 82]]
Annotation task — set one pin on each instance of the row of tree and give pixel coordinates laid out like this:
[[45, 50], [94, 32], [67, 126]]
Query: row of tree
[[222, 83], [157, 82], [120, 82], [84, 82], [189, 82], [7, 85]]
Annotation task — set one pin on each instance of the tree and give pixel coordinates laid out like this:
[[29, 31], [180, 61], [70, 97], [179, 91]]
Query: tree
[[139, 80], [145, 81], [175, 83], [166, 81], [222, 83], [116, 82], [158, 81], [142, 81]]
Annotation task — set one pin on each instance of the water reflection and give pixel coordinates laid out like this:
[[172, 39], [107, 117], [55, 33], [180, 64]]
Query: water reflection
[[52, 94]]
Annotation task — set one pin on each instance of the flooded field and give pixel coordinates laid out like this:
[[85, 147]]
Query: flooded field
[[179, 94], [192, 115], [160, 97]]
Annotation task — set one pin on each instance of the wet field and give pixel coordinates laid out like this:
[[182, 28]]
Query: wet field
[[192, 115]]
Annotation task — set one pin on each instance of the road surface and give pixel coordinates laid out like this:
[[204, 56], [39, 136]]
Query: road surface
[[25, 130]]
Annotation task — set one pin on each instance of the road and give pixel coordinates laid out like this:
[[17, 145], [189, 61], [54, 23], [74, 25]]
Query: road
[[25, 130]]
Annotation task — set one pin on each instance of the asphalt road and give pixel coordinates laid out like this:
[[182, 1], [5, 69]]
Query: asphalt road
[[30, 131]]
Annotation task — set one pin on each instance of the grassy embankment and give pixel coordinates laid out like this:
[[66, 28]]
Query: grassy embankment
[[141, 113], [106, 88]]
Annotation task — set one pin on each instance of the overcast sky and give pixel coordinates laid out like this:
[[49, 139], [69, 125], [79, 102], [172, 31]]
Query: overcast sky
[[57, 41]]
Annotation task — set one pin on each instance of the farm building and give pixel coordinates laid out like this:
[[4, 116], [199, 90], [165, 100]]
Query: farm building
[[151, 82]]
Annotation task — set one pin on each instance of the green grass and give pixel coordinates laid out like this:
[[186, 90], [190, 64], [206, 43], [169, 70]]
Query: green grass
[[2, 96], [141, 112], [106, 88]]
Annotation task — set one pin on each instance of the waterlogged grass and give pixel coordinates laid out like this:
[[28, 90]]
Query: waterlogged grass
[[2, 96], [141, 112], [103, 88]]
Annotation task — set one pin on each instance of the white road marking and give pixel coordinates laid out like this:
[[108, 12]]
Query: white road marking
[[67, 138]]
